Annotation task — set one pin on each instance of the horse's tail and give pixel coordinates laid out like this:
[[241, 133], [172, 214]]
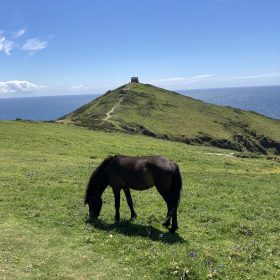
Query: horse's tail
[[176, 185]]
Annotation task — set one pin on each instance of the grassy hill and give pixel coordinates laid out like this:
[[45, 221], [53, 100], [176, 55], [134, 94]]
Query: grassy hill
[[149, 110], [228, 216]]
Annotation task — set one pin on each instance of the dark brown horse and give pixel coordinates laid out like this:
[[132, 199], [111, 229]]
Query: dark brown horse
[[138, 173]]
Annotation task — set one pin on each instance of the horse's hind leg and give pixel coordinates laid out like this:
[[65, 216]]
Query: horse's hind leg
[[130, 203], [172, 205], [172, 201], [167, 220], [166, 198], [171, 216], [174, 225]]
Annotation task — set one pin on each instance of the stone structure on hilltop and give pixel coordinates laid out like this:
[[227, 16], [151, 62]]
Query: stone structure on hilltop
[[134, 80]]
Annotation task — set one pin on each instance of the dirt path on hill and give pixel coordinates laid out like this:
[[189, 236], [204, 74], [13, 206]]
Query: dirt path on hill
[[109, 113]]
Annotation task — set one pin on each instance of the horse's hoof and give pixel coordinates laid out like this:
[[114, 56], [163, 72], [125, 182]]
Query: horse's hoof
[[172, 230], [92, 221], [133, 217], [166, 224]]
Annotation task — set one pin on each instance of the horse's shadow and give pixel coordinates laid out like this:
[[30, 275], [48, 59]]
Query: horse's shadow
[[128, 228]]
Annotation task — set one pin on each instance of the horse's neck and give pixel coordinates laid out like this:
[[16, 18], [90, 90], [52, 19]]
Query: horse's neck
[[100, 190], [101, 184], [95, 187]]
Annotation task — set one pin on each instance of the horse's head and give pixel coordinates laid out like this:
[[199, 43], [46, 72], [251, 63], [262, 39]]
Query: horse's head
[[96, 186], [94, 205]]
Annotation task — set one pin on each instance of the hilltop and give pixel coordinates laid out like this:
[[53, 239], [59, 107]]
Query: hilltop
[[145, 109]]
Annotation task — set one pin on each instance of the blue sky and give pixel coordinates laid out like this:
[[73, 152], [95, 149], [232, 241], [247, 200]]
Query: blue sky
[[88, 46]]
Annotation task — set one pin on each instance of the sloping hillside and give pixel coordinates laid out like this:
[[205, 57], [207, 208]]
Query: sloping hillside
[[149, 110]]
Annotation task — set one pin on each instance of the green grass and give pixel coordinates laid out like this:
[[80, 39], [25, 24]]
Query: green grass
[[229, 214], [166, 114]]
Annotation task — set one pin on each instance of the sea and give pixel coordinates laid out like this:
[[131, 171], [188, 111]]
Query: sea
[[263, 99], [45, 108]]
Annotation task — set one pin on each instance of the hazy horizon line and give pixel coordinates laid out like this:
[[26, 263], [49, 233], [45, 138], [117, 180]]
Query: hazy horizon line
[[178, 90]]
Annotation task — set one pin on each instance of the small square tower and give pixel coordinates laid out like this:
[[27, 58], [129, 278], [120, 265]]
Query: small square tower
[[134, 80]]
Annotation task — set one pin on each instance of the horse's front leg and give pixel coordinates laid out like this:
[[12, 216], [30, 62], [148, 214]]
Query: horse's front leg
[[130, 203], [116, 191]]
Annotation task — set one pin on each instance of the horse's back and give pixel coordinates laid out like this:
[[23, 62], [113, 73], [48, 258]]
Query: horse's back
[[162, 163], [141, 172]]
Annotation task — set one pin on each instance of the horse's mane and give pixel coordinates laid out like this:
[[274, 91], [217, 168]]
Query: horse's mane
[[94, 176]]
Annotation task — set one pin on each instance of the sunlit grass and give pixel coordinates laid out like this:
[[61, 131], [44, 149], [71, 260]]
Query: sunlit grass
[[229, 214]]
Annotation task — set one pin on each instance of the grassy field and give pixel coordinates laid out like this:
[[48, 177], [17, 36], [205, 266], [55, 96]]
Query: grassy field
[[229, 214]]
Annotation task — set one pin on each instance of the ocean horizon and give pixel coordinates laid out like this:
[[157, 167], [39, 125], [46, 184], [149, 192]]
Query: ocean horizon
[[43, 108], [264, 100]]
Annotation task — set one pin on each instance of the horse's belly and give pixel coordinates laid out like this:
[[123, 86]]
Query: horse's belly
[[134, 178], [139, 183], [141, 187]]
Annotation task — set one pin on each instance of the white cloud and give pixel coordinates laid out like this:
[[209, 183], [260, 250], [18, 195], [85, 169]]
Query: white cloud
[[215, 79], [180, 80], [34, 44], [19, 33], [19, 86], [257, 76], [167, 80], [30, 45], [6, 46], [79, 87]]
